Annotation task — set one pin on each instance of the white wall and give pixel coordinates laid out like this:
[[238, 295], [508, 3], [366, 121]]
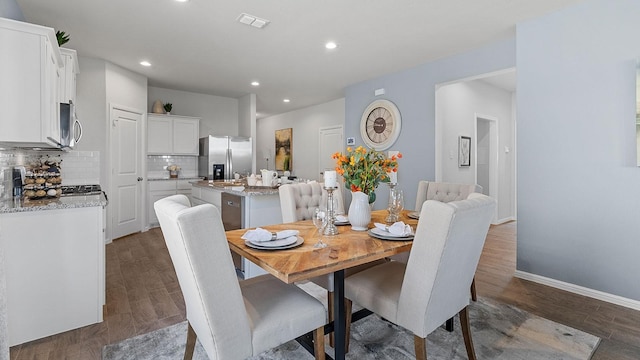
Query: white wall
[[457, 105], [578, 193], [9, 9], [218, 115], [306, 124], [247, 122]]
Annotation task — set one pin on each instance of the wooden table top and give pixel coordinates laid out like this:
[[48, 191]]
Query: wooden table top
[[347, 249]]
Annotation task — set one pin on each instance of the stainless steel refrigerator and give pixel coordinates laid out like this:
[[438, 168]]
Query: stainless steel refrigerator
[[222, 156]]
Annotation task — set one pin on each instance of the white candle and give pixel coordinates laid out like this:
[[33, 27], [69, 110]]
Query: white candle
[[330, 179], [393, 177]]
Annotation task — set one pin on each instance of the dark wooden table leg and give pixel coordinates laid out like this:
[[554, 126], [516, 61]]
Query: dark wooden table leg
[[339, 315]]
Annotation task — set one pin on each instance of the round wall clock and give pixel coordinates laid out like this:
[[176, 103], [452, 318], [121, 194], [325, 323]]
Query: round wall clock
[[380, 124]]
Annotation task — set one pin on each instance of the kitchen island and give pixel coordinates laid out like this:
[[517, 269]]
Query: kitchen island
[[54, 255], [241, 207]]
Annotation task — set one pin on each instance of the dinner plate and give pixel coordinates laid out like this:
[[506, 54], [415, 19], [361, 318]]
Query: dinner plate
[[340, 223], [414, 215], [298, 241], [276, 243], [385, 235]]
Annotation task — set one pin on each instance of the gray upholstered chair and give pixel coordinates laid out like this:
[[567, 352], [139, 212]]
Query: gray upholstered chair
[[434, 284], [443, 192], [298, 202], [232, 319]]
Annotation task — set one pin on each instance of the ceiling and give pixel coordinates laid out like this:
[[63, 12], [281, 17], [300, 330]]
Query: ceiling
[[199, 46]]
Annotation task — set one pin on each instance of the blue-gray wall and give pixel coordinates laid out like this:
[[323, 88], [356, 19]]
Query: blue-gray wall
[[578, 186], [413, 92], [9, 9]]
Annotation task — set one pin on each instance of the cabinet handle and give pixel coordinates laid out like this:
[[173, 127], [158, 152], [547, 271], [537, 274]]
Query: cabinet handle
[[139, 178]]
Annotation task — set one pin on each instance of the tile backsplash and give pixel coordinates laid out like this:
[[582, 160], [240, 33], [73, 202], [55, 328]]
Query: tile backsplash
[[76, 167], [157, 165]]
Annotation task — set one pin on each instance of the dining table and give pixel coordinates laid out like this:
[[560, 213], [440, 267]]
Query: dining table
[[347, 249]]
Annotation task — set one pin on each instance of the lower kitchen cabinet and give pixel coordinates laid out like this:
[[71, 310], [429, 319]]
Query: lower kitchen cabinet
[[55, 270], [161, 189]]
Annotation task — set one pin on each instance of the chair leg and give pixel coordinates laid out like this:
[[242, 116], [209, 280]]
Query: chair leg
[[191, 343], [420, 345], [466, 333], [348, 305], [318, 343], [474, 296], [330, 314]]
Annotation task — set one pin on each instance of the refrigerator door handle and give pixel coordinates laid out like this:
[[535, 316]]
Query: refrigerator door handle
[[230, 159]]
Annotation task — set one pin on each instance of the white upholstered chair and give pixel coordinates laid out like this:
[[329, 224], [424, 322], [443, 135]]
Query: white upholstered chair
[[434, 284], [232, 319], [443, 192], [298, 202]]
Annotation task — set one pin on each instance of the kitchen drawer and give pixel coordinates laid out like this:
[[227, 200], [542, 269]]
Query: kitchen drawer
[[162, 185], [183, 185]]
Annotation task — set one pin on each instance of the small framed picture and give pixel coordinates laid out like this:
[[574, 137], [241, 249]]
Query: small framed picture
[[464, 151], [351, 141]]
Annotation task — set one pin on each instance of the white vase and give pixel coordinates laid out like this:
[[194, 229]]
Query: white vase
[[359, 211]]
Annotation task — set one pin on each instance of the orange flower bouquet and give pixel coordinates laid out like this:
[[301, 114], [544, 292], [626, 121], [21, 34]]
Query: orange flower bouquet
[[363, 170]]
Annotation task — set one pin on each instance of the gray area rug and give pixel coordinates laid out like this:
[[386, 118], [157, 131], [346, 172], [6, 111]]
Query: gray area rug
[[499, 331]]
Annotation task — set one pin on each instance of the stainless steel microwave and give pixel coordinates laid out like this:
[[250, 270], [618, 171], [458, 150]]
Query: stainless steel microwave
[[70, 127]]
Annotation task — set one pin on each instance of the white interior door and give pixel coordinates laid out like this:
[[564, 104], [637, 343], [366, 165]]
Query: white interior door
[[126, 169], [331, 141]]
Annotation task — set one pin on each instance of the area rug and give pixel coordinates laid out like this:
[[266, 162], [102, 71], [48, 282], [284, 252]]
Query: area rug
[[499, 331]]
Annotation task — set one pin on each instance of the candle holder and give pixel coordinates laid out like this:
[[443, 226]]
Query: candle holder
[[330, 229], [393, 215]]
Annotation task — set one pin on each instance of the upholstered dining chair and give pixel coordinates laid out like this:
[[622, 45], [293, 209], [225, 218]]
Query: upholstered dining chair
[[232, 319], [434, 284], [298, 202]]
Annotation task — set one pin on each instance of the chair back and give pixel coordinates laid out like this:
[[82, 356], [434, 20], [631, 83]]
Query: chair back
[[299, 201], [443, 192], [443, 260], [200, 253]]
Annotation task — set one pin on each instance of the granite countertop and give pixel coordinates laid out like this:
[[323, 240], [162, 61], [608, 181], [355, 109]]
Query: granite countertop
[[237, 188], [63, 202], [179, 178]]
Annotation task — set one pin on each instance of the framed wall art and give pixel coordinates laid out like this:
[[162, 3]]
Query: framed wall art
[[284, 149], [464, 151]]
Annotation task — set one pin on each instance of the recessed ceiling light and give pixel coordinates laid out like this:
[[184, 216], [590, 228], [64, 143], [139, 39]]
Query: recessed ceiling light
[[331, 45], [145, 63], [255, 83], [182, 0], [286, 100]]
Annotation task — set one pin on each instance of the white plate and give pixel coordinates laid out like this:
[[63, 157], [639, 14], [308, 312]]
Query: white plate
[[276, 243], [414, 215], [298, 242], [385, 235], [340, 223]]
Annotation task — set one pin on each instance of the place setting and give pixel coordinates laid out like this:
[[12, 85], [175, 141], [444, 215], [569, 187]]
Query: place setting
[[262, 239], [398, 231]]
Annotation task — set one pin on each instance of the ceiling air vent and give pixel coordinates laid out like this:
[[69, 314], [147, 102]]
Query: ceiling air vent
[[254, 21]]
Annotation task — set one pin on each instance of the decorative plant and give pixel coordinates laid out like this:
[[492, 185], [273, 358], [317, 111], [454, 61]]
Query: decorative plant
[[173, 168], [62, 37], [168, 107], [363, 169]]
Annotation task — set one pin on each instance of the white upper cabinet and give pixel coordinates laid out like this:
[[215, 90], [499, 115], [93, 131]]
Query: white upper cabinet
[[172, 135], [69, 71], [29, 75]]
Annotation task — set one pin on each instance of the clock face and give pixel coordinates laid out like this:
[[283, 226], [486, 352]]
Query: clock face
[[380, 124]]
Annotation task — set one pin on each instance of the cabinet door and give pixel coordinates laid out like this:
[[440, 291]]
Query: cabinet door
[[51, 109], [159, 135], [67, 85], [185, 136], [153, 197]]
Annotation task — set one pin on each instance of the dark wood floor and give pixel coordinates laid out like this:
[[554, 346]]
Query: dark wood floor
[[143, 295]]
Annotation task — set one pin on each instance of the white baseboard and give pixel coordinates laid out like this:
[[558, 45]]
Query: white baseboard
[[580, 290], [504, 220]]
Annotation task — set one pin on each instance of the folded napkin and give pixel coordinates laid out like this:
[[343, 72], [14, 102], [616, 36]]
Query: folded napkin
[[341, 218], [398, 228], [260, 235]]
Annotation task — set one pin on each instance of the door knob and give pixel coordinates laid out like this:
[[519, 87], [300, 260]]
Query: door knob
[[139, 178]]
